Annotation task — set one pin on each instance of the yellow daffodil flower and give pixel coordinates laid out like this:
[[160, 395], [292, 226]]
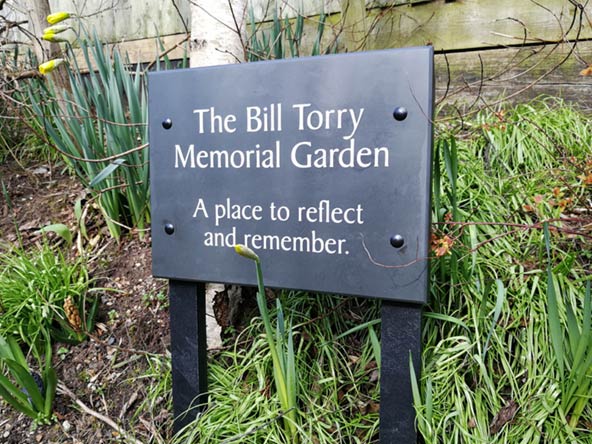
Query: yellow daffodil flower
[[56, 29], [47, 67], [52, 37], [245, 251], [57, 17]]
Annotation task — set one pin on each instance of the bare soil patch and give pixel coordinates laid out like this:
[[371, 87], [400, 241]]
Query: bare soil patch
[[132, 323]]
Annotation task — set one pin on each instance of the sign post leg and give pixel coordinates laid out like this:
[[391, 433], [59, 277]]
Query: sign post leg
[[188, 350], [400, 337]]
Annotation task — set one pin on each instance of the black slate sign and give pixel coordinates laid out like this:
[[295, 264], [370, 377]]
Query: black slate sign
[[321, 165]]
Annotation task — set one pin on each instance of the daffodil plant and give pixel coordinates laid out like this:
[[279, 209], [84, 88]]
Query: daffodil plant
[[98, 115], [23, 389], [56, 34], [282, 351]]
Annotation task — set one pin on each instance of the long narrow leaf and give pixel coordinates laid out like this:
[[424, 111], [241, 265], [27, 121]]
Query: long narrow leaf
[[14, 401], [499, 303], [51, 381], [17, 353], [554, 322], [375, 346], [107, 171], [24, 378], [61, 230]]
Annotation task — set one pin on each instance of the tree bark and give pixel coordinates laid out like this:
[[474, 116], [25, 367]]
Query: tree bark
[[38, 10], [217, 32], [217, 39]]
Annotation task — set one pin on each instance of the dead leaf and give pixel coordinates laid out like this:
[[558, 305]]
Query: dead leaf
[[505, 415], [374, 376], [586, 71], [32, 225], [441, 246], [373, 407]]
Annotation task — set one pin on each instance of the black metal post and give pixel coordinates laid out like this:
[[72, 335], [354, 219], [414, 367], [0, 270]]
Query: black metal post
[[188, 349], [400, 338]]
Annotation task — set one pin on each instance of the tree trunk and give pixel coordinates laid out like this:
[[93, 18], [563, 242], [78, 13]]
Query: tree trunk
[[217, 39], [217, 32], [38, 10]]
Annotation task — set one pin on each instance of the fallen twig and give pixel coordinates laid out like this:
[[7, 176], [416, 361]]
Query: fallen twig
[[63, 390]]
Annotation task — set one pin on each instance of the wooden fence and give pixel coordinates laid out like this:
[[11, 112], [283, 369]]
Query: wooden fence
[[485, 48], [133, 25]]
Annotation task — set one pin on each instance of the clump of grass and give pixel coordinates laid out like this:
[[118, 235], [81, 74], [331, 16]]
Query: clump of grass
[[489, 367], [283, 37], [337, 378], [34, 287], [98, 125], [572, 341]]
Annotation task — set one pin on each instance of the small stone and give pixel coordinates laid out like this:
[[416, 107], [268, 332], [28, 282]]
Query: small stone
[[41, 171], [66, 426]]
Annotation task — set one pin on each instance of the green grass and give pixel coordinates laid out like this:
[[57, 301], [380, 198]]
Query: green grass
[[486, 351], [490, 370], [338, 394], [33, 288]]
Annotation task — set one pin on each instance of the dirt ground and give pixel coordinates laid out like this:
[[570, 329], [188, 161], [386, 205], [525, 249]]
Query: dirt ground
[[132, 323]]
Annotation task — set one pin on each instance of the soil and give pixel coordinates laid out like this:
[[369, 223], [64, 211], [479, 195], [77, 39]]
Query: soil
[[132, 323]]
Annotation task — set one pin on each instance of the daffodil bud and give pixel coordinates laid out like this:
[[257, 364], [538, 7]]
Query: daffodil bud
[[47, 67], [56, 29], [57, 17], [245, 251], [52, 37]]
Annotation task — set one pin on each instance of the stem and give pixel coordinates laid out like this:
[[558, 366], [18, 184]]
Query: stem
[[280, 377]]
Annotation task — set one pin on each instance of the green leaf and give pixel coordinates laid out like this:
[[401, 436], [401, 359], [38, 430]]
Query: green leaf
[[554, 322], [79, 214], [375, 345], [17, 353], [5, 349], [61, 230], [573, 331], [499, 303], [106, 172], [15, 398], [24, 378], [50, 380], [357, 328], [446, 318], [414, 382]]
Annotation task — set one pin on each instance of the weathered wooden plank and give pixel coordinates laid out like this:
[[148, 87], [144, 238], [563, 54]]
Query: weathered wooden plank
[[387, 3], [531, 70], [263, 10], [518, 74], [121, 20], [477, 24], [459, 25], [146, 50]]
